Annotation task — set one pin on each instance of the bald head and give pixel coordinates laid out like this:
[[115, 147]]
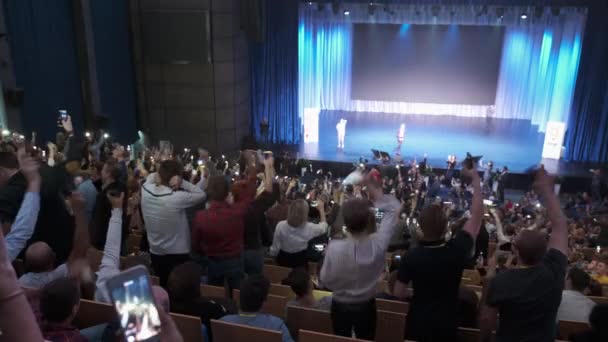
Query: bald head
[[531, 246], [161, 297], [39, 257]]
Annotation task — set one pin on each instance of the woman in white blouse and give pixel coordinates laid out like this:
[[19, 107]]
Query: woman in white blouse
[[291, 237]]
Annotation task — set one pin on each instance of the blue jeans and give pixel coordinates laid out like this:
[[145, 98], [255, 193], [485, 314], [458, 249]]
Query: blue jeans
[[226, 269], [253, 260]]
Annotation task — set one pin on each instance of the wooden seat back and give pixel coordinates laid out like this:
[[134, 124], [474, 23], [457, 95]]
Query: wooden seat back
[[599, 300], [282, 290], [274, 305], [311, 336], [91, 313], [568, 328], [230, 332], [473, 275], [390, 326], [392, 306], [468, 334], [214, 291], [276, 274], [308, 319], [190, 327]]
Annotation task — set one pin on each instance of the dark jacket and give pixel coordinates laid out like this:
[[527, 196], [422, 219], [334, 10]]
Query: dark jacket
[[101, 216]]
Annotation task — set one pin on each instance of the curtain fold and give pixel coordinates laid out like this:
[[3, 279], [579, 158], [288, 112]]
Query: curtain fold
[[587, 134], [539, 65], [115, 75], [42, 44], [274, 73]]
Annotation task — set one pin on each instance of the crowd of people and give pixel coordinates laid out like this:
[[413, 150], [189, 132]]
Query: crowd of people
[[216, 221]]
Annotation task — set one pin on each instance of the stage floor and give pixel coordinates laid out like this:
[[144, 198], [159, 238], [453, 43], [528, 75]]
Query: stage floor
[[513, 143]]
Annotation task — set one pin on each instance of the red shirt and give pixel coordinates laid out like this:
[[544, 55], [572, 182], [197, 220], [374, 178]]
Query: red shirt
[[219, 230]]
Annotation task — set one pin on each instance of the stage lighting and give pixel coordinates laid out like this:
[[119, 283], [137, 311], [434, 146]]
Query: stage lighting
[[524, 16], [346, 12]]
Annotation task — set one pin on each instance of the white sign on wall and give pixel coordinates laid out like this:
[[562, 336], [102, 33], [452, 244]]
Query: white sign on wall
[[311, 124], [554, 139]]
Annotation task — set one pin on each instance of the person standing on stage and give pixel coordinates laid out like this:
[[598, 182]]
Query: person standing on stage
[[341, 130], [400, 138]]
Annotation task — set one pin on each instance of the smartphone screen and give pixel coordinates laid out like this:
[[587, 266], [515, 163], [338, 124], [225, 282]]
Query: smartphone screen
[[63, 114], [132, 297]]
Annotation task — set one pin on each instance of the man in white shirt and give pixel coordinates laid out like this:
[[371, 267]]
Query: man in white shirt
[[164, 200], [575, 306]]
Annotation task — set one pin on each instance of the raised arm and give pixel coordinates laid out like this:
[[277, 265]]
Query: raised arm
[[390, 206], [23, 227], [544, 185], [21, 326], [474, 222], [500, 234], [110, 262], [190, 195]]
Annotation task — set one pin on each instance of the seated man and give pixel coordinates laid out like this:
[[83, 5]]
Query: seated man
[[390, 288], [59, 303], [40, 258], [575, 306], [254, 291], [185, 294], [301, 284]]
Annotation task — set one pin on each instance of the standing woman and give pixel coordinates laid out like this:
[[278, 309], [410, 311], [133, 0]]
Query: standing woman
[[290, 242]]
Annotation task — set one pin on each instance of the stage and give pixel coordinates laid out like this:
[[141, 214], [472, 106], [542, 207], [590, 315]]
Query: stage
[[506, 142]]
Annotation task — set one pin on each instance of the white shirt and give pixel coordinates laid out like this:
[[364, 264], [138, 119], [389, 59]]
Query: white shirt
[[39, 280], [295, 239], [353, 266], [110, 262], [164, 212], [575, 306]]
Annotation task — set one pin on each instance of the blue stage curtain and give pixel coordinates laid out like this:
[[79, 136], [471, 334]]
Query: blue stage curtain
[[274, 73], [587, 134], [42, 43], [110, 21], [538, 71]]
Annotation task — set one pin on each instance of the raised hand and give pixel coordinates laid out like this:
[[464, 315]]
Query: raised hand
[[29, 167], [543, 182], [175, 182], [67, 124]]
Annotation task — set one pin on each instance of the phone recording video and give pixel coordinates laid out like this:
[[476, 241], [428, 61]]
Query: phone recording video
[[63, 115], [132, 297]]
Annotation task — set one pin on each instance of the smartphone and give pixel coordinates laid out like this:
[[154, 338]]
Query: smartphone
[[319, 248], [63, 114], [132, 298], [267, 154]]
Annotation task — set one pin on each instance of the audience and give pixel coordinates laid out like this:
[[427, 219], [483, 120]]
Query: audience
[[301, 284], [164, 200], [184, 288], [291, 237], [59, 303], [353, 266], [111, 174], [40, 258], [527, 297], [219, 231], [575, 306], [254, 292], [599, 328], [435, 268]]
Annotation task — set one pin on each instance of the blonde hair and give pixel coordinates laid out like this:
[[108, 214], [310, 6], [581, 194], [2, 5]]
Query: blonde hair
[[297, 214]]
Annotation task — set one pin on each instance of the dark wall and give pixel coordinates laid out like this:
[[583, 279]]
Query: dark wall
[[195, 104]]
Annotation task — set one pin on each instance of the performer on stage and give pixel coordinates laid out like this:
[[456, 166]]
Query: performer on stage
[[341, 130], [400, 138]]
